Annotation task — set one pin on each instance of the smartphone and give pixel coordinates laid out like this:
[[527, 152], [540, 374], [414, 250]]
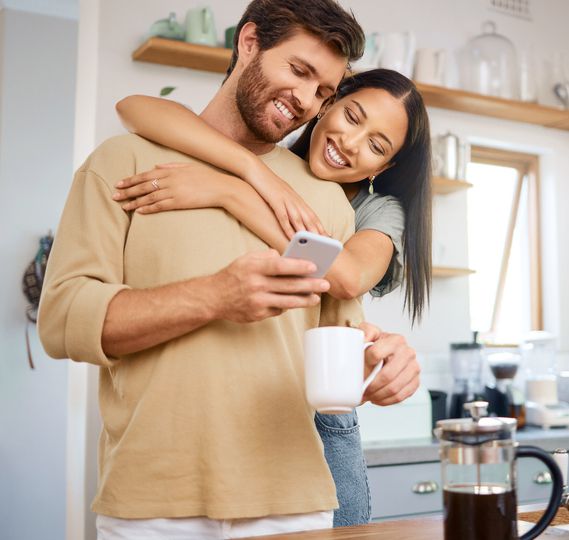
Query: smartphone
[[321, 250]]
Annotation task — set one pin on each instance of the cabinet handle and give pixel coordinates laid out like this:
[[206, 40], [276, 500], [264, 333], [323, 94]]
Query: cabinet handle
[[542, 478], [424, 488]]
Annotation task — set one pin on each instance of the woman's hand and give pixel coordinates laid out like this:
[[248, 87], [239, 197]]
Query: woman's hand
[[292, 213], [178, 186], [172, 186]]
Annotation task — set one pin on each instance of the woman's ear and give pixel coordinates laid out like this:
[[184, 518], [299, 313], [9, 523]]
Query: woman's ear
[[385, 167], [247, 43]]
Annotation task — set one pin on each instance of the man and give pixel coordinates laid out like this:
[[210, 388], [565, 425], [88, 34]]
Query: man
[[194, 322]]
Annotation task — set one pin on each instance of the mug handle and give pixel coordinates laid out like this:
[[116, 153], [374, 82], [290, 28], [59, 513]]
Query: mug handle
[[380, 42], [206, 20], [410, 46], [556, 489], [441, 56], [374, 371]]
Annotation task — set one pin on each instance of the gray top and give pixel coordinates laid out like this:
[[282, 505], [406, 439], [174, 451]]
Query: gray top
[[382, 213]]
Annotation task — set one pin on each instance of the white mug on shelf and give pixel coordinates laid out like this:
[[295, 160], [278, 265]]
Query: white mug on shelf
[[528, 75], [430, 66], [200, 26], [446, 150], [334, 368], [397, 51], [370, 58], [464, 156]]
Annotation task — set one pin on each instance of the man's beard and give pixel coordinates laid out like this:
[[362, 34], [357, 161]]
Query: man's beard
[[252, 96]]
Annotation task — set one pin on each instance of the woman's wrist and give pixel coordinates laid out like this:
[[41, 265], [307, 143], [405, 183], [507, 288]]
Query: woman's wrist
[[244, 160], [229, 195], [251, 169]]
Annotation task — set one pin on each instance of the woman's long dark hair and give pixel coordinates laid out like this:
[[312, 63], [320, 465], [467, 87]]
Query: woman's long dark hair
[[409, 180]]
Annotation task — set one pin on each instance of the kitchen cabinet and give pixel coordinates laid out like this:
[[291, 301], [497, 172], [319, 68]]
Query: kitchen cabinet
[[216, 59], [398, 469], [416, 489], [404, 490], [534, 481]]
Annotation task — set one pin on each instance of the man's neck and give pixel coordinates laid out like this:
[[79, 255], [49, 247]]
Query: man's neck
[[351, 190], [223, 115]]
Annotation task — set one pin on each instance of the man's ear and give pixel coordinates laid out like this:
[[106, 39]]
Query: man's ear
[[327, 104], [247, 44]]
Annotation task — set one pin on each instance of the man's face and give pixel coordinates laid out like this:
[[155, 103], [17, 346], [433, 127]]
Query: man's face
[[284, 87]]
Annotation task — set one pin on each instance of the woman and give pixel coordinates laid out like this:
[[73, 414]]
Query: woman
[[376, 127]]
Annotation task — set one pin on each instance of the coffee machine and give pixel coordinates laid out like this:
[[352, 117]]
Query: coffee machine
[[543, 407], [466, 368], [504, 397]]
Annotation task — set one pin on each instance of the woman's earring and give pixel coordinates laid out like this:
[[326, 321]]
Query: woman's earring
[[371, 179], [318, 116]]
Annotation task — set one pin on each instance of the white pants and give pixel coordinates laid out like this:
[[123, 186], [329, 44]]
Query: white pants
[[109, 528]]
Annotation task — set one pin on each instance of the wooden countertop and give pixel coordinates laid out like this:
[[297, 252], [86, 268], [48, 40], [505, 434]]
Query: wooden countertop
[[427, 528], [561, 518]]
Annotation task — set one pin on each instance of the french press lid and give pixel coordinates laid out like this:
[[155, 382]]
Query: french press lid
[[478, 429]]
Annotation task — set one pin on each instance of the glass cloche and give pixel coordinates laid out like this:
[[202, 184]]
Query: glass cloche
[[488, 64]]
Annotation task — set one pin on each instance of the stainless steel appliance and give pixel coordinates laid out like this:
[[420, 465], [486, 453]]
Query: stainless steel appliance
[[450, 156], [466, 368], [543, 407], [504, 396]]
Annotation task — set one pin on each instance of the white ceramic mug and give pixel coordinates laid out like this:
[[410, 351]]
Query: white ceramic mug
[[370, 58], [334, 368], [200, 26], [430, 66], [396, 51]]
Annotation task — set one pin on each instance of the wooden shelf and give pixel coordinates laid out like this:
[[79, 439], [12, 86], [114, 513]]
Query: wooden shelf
[[518, 111], [447, 272], [181, 54], [170, 52], [444, 186]]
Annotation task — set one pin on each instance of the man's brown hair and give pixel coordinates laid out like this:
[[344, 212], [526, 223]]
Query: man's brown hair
[[276, 20]]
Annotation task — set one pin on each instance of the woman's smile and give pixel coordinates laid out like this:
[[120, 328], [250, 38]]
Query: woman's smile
[[334, 157]]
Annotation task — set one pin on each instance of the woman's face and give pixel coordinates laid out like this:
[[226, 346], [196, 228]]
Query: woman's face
[[358, 136]]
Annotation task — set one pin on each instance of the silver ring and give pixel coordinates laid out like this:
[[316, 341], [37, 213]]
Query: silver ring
[[155, 184]]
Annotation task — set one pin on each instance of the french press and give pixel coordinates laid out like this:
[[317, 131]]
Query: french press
[[478, 459]]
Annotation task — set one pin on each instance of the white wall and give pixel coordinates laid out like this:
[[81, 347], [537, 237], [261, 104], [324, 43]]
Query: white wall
[[37, 76], [56, 8], [2, 17]]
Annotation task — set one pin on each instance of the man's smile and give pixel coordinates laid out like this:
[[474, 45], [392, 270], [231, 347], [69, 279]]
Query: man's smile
[[281, 107]]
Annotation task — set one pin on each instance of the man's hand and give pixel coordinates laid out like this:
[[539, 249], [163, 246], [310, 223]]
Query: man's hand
[[264, 284], [398, 379]]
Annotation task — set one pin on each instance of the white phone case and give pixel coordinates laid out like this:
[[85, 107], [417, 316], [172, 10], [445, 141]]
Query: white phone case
[[321, 250]]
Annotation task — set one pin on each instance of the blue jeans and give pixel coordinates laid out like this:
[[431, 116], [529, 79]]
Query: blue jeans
[[340, 434]]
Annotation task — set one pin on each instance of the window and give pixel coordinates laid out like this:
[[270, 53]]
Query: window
[[503, 242]]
